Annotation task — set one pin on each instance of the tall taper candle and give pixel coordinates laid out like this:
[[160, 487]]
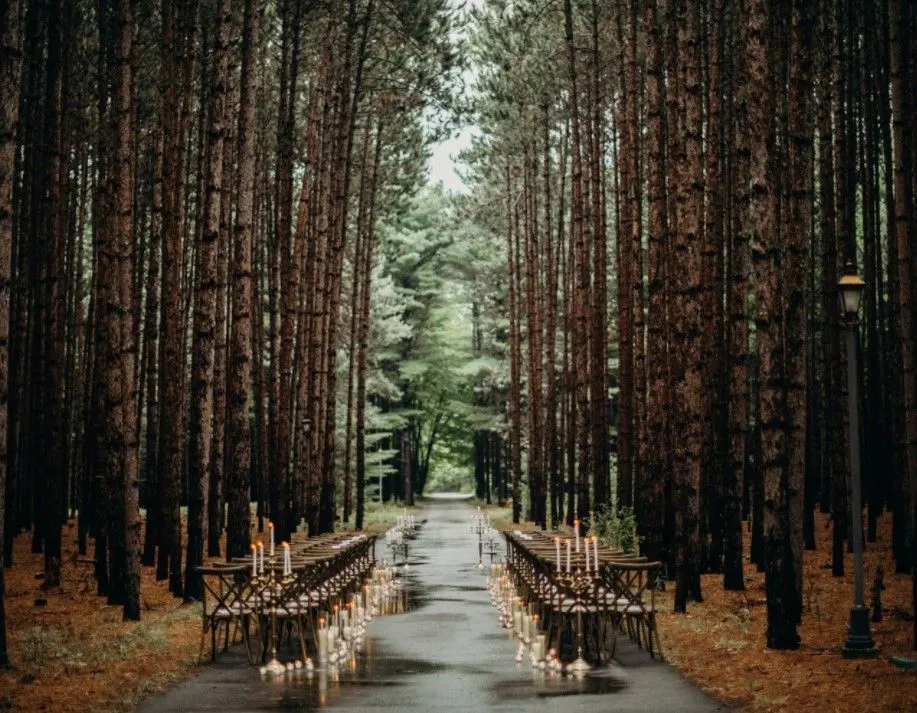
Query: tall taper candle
[[568, 556], [557, 551], [595, 550], [270, 527], [586, 546], [254, 561], [576, 534]]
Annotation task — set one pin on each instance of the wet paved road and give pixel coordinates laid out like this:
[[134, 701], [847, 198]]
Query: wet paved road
[[446, 653]]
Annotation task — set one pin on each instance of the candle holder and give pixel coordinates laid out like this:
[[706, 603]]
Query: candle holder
[[480, 525], [273, 589], [577, 582], [491, 548]]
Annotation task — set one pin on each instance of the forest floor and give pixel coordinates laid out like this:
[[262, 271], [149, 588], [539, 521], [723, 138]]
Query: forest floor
[[719, 644], [74, 654]]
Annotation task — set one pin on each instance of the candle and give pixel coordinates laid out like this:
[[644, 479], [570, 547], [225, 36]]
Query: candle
[[322, 641], [557, 551], [254, 562], [595, 551], [586, 545], [270, 527], [261, 557], [568, 556], [576, 533]]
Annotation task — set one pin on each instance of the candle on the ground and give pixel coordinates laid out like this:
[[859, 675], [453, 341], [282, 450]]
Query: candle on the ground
[[557, 551], [322, 641], [568, 556], [576, 534]]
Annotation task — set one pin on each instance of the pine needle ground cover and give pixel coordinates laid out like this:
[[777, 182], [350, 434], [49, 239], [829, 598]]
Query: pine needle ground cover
[[719, 644], [75, 654]]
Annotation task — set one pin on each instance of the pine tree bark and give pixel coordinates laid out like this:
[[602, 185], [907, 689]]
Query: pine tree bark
[[121, 376], [797, 259], [178, 24], [216, 500], [738, 289], [687, 373], [902, 106], [626, 257], [363, 333], [151, 347], [581, 279], [239, 372], [515, 419], [281, 473], [202, 368], [651, 505], [10, 71]]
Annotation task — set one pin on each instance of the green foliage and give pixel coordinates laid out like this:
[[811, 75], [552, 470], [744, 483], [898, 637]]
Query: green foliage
[[617, 528]]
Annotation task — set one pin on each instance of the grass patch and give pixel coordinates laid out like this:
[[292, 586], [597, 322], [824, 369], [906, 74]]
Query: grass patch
[[379, 517]]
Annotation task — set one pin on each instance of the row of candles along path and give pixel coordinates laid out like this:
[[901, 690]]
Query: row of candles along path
[[524, 623], [342, 633]]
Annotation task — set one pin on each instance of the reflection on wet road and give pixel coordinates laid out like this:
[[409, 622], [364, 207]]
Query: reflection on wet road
[[443, 651]]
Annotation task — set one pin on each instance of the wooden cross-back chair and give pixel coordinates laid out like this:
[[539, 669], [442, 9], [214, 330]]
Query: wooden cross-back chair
[[227, 602]]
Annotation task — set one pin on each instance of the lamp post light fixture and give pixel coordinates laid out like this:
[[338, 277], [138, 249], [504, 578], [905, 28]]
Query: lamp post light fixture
[[859, 639]]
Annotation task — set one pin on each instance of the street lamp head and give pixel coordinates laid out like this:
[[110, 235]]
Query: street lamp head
[[850, 290]]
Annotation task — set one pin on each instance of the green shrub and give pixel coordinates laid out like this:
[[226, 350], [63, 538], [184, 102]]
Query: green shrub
[[617, 528]]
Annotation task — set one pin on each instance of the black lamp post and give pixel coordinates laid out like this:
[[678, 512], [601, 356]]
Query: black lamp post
[[859, 639]]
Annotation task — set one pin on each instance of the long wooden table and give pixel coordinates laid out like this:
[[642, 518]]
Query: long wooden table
[[616, 596], [247, 600]]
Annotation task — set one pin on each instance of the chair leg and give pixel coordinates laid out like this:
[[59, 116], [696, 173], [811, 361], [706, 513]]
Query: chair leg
[[200, 653]]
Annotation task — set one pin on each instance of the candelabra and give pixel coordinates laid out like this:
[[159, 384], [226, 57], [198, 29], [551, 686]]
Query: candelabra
[[271, 596], [492, 547], [480, 524], [577, 583]]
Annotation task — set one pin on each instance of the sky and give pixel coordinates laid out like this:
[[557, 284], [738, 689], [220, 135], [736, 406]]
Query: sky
[[444, 157]]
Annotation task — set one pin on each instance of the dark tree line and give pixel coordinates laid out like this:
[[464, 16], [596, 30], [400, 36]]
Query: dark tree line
[[730, 160], [181, 187]]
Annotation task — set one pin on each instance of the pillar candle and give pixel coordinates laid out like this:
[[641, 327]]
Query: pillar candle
[[568, 556], [322, 641], [576, 534], [557, 551]]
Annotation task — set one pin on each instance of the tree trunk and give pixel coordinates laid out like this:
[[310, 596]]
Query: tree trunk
[[687, 373], [10, 70], [200, 451], [239, 381], [122, 370]]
